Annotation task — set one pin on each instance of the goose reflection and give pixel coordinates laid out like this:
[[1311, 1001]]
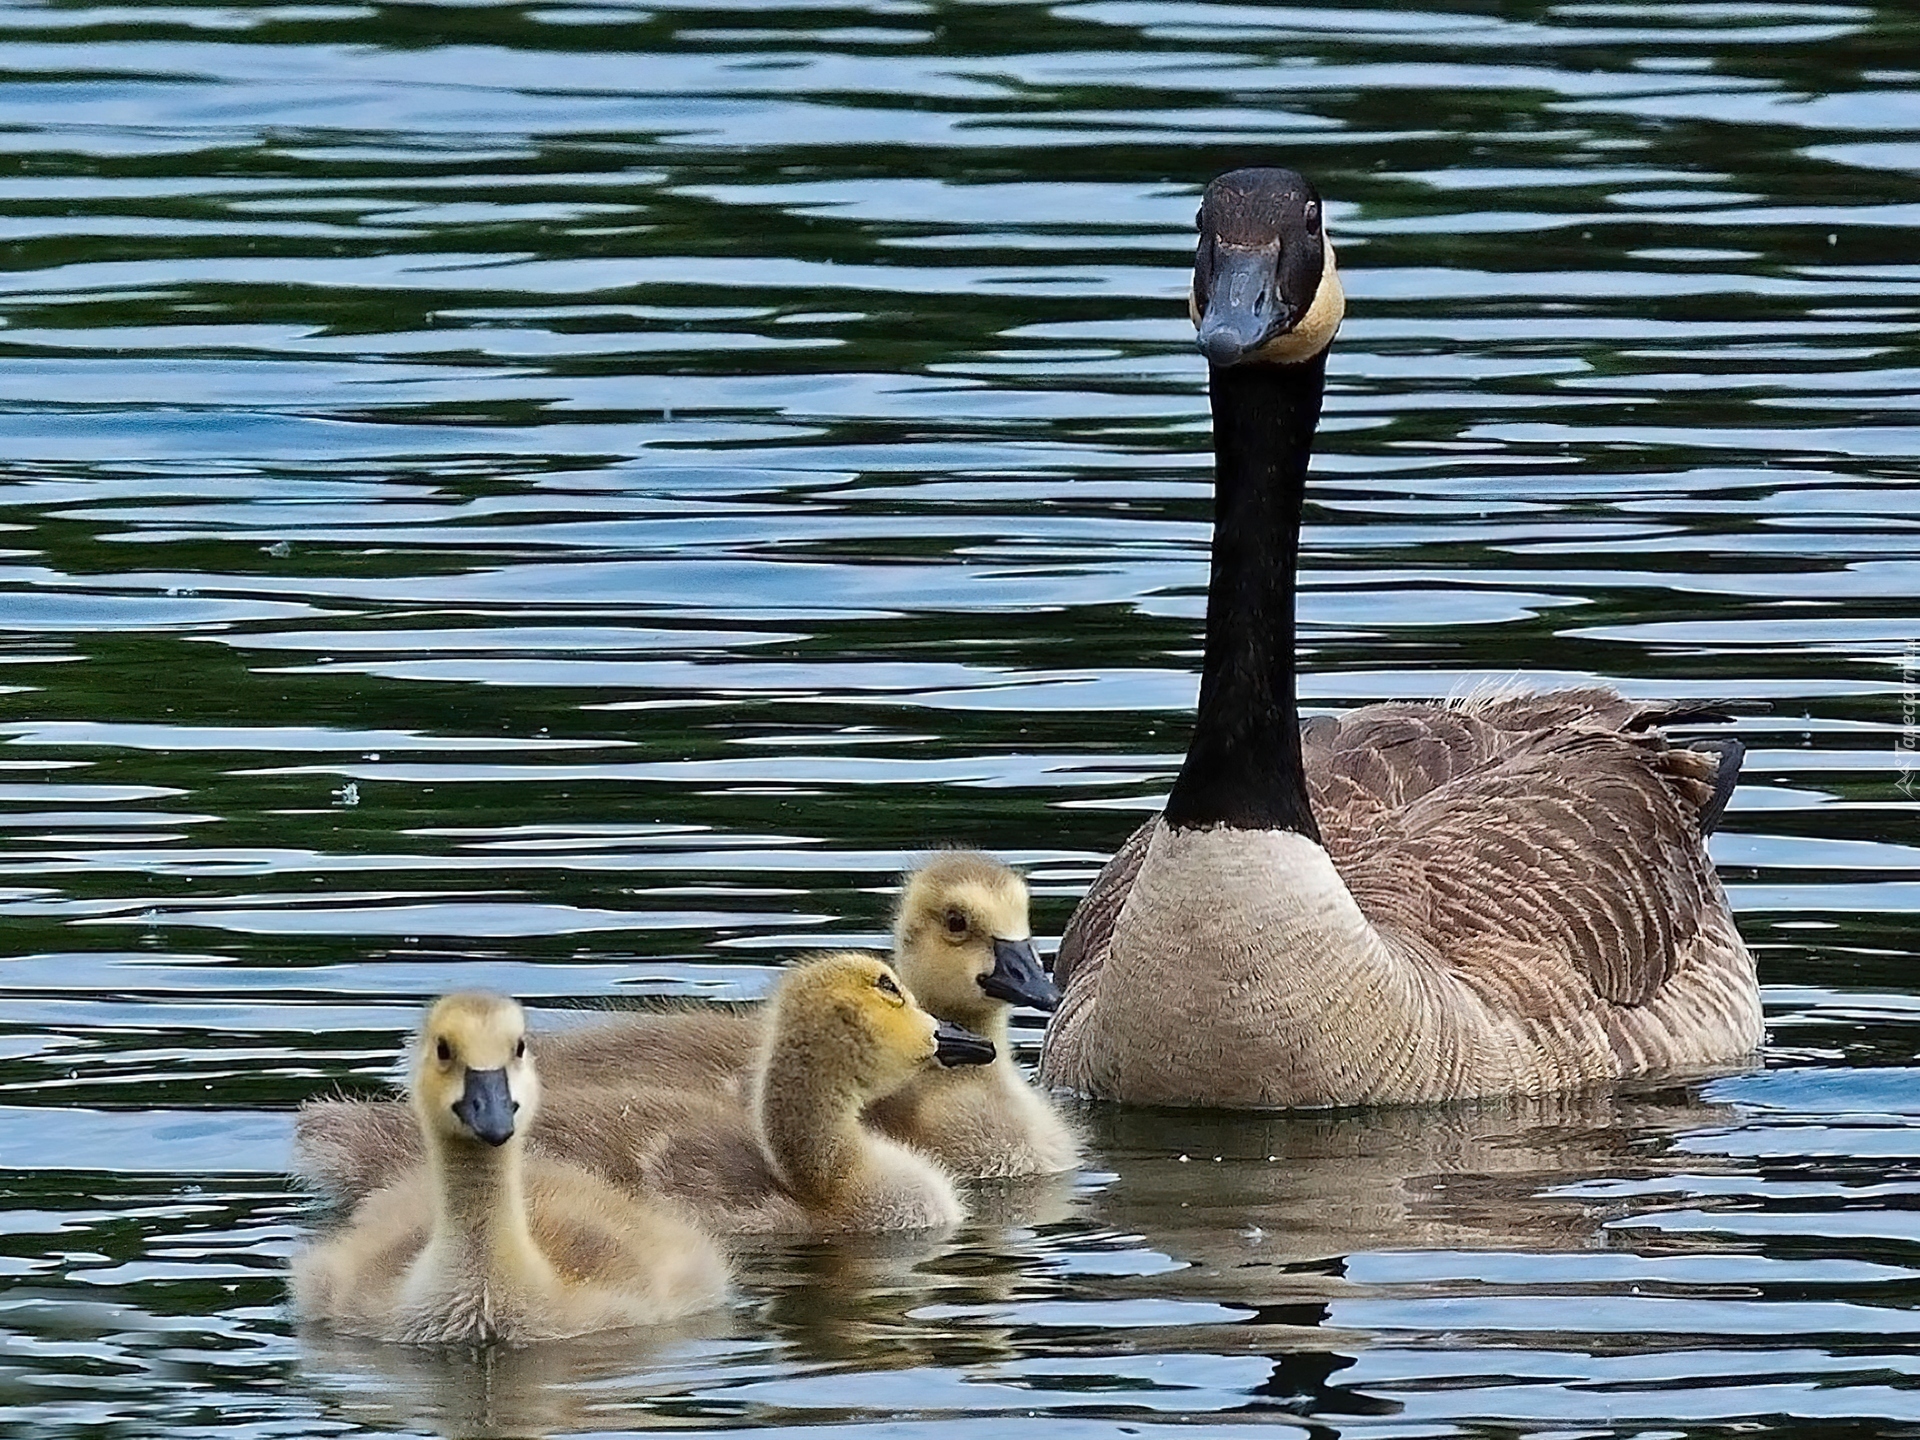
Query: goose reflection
[[836, 1307], [1246, 1232], [623, 1381], [1245, 1202]]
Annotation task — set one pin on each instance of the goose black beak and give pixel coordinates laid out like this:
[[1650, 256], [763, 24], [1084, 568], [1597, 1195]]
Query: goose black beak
[[954, 1046], [486, 1106], [1244, 310], [1017, 978]]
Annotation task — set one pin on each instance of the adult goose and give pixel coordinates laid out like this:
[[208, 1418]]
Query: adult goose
[[1505, 895]]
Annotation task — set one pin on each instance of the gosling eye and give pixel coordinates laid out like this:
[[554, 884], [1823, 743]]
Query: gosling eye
[[957, 922], [887, 985], [443, 1050], [520, 1048]]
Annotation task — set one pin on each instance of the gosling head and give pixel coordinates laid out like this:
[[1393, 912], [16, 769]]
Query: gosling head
[[847, 1015], [473, 1079], [963, 943], [1265, 286]]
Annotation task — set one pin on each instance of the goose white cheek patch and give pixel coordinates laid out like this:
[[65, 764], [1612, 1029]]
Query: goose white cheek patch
[[1321, 322]]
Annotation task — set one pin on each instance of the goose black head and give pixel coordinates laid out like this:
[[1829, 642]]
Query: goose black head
[[1265, 287]]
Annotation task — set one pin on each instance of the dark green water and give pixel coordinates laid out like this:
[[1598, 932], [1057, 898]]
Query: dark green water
[[575, 497]]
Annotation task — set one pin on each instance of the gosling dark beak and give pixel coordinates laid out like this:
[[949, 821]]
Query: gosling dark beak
[[1244, 310], [486, 1106], [1017, 978], [954, 1046]]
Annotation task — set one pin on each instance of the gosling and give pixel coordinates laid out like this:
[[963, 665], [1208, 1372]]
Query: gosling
[[483, 1246], [839, 1033], [964, 946]]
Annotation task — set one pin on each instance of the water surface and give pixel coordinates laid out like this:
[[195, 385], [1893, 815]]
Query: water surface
[[574, 498]]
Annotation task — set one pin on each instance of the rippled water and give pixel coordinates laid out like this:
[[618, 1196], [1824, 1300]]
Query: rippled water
[[574, 497]]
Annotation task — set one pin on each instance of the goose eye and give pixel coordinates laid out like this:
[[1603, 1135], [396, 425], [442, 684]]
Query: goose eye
[[443, 1050], [887, 985], [956, 922], [520, 1048]]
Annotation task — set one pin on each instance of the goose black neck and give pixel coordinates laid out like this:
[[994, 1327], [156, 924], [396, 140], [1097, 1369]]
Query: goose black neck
[[1243, 765]]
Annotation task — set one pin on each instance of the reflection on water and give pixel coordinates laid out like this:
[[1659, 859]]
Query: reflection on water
[[1218, 1243], [627, 1382], [576, 498], [1258, 1204]]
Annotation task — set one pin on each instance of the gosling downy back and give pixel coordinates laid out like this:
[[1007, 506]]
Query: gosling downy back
[[480, 1244], [1510, 895]]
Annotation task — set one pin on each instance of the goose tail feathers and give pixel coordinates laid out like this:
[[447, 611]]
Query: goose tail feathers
[[1693, 712], [1729, 753]]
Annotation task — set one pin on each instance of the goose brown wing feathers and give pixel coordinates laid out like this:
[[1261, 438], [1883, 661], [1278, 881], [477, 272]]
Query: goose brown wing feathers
[[1598, 706], [1578, 844], [1083, 945], [1379, 758], [1393, 753]]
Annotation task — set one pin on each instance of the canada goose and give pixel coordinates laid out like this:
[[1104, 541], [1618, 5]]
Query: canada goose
[[482, 1246], [1410, 903], [839, 1033], [963, 946]]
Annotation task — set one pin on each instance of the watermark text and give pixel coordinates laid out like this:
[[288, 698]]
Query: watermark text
[[1907, 751]]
